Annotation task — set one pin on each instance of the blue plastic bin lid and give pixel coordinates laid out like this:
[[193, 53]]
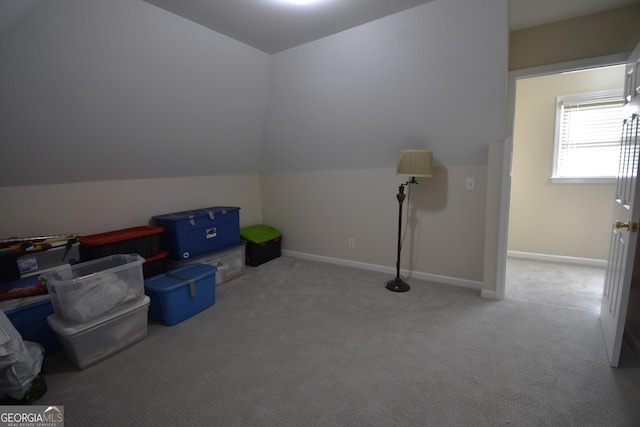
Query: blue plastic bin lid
[[179, 277], [26, 313], [207, 212]]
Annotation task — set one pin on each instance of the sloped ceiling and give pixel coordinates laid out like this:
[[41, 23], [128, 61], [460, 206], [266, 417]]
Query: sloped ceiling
[[276, 25], [12, 10]]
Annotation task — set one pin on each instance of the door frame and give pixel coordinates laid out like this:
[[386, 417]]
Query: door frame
[[505, 183]]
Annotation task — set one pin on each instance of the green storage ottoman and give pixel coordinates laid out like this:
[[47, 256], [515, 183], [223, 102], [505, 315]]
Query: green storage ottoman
[[263, 244]]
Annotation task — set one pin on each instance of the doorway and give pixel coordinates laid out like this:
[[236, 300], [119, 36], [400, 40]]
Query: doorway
[[507, 155], [562, 228]]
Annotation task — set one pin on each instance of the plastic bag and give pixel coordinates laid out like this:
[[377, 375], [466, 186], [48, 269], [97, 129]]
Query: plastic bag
[[20, 361], [95, 298]]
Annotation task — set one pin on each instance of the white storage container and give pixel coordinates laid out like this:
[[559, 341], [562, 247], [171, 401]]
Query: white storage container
[[89, 290], [230, 262], [38, 261], [90, 343]]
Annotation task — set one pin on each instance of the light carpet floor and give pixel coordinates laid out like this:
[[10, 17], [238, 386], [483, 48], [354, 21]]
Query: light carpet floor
[[303, 343]]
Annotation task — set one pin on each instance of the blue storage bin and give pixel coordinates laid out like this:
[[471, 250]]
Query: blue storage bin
[[181, 293], [31, 321], [196, 232]]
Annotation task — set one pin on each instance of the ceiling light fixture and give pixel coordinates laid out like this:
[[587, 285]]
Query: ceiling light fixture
[[301, 1]]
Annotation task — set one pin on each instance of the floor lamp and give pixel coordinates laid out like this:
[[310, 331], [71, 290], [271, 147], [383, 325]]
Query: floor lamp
[[414, 164]]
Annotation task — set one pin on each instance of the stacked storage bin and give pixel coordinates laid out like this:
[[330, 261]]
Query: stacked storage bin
[[263, 244], [201, 245], [24, 257], [204, 236], [100, 307], [229, 262], [143, 240], [65, 251], [24, 300]]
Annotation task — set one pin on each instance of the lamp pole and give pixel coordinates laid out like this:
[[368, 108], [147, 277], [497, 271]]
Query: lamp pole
[[397, 284], [413, 163]]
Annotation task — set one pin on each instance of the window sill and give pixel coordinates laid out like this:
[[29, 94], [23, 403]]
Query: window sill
[[582, 180]]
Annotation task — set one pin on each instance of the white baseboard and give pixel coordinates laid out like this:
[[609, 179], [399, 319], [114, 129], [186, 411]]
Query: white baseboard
[[488, 294], [591, 262], [472, 284]]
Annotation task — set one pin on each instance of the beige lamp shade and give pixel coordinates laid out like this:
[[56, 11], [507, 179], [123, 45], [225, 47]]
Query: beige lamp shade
[[415, 163]]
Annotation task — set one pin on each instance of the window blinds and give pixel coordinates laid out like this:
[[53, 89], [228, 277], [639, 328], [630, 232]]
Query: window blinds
[[589, 136]]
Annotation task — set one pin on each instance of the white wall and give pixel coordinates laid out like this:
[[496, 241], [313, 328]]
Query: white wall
[[432, 76], [100, 90], [340, 109]]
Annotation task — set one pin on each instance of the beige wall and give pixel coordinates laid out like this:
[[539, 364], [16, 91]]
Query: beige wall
[[94, 207], [318, 211], [600, 34], [546, 218]]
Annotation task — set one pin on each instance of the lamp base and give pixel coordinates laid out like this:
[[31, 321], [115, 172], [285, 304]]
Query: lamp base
[[397, 285]]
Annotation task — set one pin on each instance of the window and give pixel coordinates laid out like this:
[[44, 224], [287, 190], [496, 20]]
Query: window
[[587, 140]]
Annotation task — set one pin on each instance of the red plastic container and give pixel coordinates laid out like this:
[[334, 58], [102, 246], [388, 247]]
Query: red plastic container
[[154, 265], [143, 240]]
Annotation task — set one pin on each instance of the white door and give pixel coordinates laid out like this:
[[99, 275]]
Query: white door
[[626, 217]]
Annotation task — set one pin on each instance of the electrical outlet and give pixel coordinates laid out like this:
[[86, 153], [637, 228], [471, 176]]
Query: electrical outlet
[[471, 184], [352, 243]]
